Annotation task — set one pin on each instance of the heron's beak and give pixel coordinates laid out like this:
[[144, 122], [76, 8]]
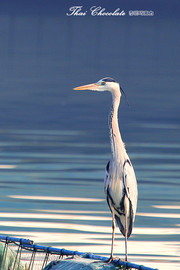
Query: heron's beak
[[92, 86]]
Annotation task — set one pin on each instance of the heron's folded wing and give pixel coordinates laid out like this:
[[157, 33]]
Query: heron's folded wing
[[130, 185]]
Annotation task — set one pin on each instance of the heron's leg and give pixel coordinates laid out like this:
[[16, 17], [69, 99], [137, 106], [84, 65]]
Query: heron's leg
[[126, 236], [113, 230]]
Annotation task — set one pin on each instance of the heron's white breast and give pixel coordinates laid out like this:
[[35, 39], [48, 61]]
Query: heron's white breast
[[116, 188]]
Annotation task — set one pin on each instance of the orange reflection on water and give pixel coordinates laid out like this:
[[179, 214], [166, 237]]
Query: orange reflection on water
[[49, 198], [55, 225], [7, 166], [159, 215], [167, 206], [71, 211], [52, 216]]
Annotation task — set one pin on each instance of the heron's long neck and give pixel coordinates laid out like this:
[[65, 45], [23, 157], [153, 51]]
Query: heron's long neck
[[117, 145]]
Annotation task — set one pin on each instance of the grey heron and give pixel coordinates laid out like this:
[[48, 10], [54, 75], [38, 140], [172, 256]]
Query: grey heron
[[120, 183]]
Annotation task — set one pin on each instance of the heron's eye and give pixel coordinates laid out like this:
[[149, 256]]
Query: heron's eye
[[103, 83]]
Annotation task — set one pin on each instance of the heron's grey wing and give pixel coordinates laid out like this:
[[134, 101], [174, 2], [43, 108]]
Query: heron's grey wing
[[129, 199], [130, 185]]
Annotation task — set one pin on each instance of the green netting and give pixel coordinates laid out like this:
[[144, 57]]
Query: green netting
[[9, 259], [23, 254], [16, 257]]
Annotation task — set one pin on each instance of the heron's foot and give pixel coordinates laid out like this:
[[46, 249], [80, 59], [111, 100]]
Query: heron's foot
[[111, 259], [118, 260]]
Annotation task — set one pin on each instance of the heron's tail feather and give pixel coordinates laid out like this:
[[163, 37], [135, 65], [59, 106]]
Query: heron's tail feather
[[120, 220], [121, 227]]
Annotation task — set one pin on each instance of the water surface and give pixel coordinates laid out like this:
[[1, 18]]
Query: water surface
[[52, 192]]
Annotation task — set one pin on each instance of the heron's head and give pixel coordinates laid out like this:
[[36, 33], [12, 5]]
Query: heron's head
[[105, 84]]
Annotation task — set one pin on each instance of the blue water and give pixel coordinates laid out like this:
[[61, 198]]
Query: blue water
[[54, 143]]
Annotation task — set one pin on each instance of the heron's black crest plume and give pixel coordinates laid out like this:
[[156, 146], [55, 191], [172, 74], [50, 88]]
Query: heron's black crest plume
[[124, 95], [108, 79]]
